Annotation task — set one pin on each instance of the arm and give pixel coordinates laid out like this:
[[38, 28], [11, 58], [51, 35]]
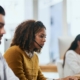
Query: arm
[[40, 75], [69, 78], [14, 60], [71, 60]]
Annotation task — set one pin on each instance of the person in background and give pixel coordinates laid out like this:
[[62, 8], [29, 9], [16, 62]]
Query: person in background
[[5, 72], [71, 63]]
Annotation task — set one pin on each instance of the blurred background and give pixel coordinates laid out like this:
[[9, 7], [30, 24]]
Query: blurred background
[[61, 18]]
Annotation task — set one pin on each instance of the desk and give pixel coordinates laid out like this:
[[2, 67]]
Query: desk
[[49, 68], [77, 75], [51, 75]]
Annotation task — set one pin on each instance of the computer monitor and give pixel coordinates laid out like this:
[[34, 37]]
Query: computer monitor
[[7, 43], [64, 43]]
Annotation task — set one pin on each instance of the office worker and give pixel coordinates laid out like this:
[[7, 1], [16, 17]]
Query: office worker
[[71, 61], [28, 40], [5, 72]]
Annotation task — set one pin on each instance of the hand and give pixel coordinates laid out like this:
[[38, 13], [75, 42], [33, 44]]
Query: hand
[[67, 78], [70, 78]]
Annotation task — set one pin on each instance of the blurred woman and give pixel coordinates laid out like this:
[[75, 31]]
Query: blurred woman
[[71, 61]]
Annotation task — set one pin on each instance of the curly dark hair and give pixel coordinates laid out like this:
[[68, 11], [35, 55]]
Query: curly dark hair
[[25, 34]]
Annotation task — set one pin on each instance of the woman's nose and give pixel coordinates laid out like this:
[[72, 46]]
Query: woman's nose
[[44, 39]]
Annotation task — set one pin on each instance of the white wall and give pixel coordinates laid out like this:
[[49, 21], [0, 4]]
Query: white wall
[[44, 16]]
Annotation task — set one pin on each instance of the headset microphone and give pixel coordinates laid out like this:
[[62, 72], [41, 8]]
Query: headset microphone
[[38, 44], [34, 34]]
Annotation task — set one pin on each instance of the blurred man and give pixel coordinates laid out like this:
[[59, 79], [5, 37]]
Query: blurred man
[[5, 72]]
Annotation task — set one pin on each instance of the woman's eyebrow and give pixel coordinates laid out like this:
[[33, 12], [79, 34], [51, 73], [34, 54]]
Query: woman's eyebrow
[[43, 34]]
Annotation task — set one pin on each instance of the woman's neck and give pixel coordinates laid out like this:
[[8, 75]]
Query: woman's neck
[[77, 50]]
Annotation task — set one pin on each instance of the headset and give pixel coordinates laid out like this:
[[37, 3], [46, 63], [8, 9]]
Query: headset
[[38, 44], [33, 36]]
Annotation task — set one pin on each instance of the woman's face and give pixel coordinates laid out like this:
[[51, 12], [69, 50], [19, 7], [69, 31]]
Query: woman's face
[[40, 38]]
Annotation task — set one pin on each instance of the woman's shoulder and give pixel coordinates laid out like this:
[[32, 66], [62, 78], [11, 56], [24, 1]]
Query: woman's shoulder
[[70, 52], [12, 51], [15, 47]]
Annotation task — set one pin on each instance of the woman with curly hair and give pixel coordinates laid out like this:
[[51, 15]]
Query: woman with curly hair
[[28, 39]]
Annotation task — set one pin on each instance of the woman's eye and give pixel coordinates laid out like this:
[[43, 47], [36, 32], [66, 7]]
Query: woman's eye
[[43, 36]]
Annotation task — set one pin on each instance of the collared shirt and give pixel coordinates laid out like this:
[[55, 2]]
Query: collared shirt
[[5, 72], [29, 54]]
